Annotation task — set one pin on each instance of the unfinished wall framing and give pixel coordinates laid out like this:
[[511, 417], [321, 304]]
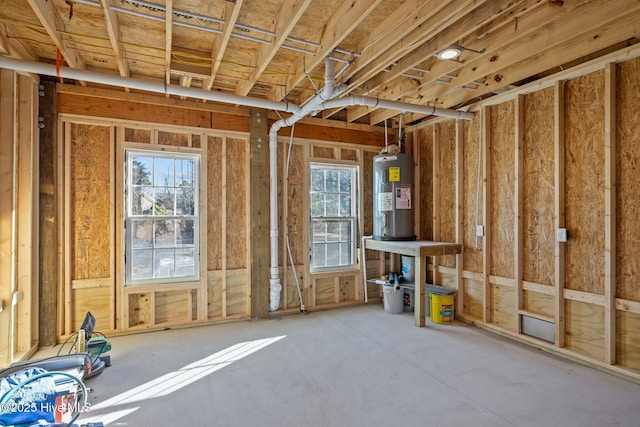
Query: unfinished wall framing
[[557, 154]]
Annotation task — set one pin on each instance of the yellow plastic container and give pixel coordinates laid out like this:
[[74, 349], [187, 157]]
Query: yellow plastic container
[[442, 308]]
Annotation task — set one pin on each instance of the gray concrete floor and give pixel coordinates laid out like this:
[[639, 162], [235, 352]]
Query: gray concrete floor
[[357, 366]]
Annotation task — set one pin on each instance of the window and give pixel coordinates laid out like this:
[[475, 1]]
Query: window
[[333, 217], [161, 217]]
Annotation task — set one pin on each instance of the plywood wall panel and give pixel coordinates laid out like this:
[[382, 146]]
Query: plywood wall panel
[[325, 290], [237, 294], [472, 205], [140, 309], [236, 198], [584, 183], [95, 300], [90, 201], [447, 205], [502, 158], [347, 288], [503, 307], [538, 303], [172, 307], [628, 172], [538, 188], [214, 204], [585, 328], [424, 140], [214, 296], [473, 298], [628, 339]]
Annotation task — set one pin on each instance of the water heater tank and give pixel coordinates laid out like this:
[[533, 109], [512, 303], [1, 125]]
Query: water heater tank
[[393, 197]]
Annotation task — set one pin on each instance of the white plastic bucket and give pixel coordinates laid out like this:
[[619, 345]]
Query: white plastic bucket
[[408, 268], [393, 300]]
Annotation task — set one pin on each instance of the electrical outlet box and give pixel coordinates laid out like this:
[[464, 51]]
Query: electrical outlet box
[[562, 235], [479, 230]]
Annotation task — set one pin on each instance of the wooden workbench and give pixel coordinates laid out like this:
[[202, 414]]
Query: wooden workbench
[[420, 250]]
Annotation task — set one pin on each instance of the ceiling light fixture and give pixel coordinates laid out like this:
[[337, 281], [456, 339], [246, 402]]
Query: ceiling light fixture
[[452, 52]]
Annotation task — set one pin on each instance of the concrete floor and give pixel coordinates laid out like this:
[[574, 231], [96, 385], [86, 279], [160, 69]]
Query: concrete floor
[[355, 366]]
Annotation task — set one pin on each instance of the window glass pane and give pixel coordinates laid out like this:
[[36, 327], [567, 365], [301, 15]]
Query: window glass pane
[[163, 172], [332, 204], [345, 181], [345, 254], [318, 231], [141, 170], [333, 231], [333, 254], [185, 176], [163, 263], [332, 181], [317, 204], [345, 231], [345, 204], [141, 200], [318, 255], [164, 201], [184, 232], [142, 234], [185, 201], [185, 262], [164, 234], [317, 180], [141, 264]]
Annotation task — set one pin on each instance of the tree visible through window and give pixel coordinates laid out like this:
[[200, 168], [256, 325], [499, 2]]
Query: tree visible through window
[[333, 216], [161, 217]]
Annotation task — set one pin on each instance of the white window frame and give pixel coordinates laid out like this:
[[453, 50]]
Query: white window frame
[[130, 218], [352, 219]]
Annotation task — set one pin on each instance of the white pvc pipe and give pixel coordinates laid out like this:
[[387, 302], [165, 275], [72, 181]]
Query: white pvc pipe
[[149, 86]]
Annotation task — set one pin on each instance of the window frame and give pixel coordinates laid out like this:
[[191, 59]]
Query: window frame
[[353, 218], [129, 218]]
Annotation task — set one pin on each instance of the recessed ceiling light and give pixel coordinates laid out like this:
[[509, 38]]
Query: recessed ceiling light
[[452, 52]]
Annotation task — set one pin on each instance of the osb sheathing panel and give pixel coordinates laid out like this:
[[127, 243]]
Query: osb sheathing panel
[[473, 294], [173, 139], [295, 219], [538, 303], [367, 200], [472, 205], [584, 183], [503, 307], [90, 194], [538, 188], [424, 140], [447, 208], [348, 154], [140, 309], [628, 339], [237, 294], [172, 306], [236, 198], [584, 326], [214, 205], [95, 300], [323, 152], [628, 172], [137, 135], [502, 181], [291, 290]]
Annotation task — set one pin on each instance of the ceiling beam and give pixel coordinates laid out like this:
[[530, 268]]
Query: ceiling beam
[[231, 13], [113, 28], [467, 25], [345, 19], [289, 15], [168, 39], [53, 25]]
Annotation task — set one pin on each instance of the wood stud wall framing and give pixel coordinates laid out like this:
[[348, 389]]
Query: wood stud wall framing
[[565, 137]]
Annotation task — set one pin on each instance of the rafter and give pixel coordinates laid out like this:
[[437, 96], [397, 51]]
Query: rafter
[[14, 48], [289, 15], [53, 25], [231, 13], [168, 40], [113, 28], [346, 18]]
